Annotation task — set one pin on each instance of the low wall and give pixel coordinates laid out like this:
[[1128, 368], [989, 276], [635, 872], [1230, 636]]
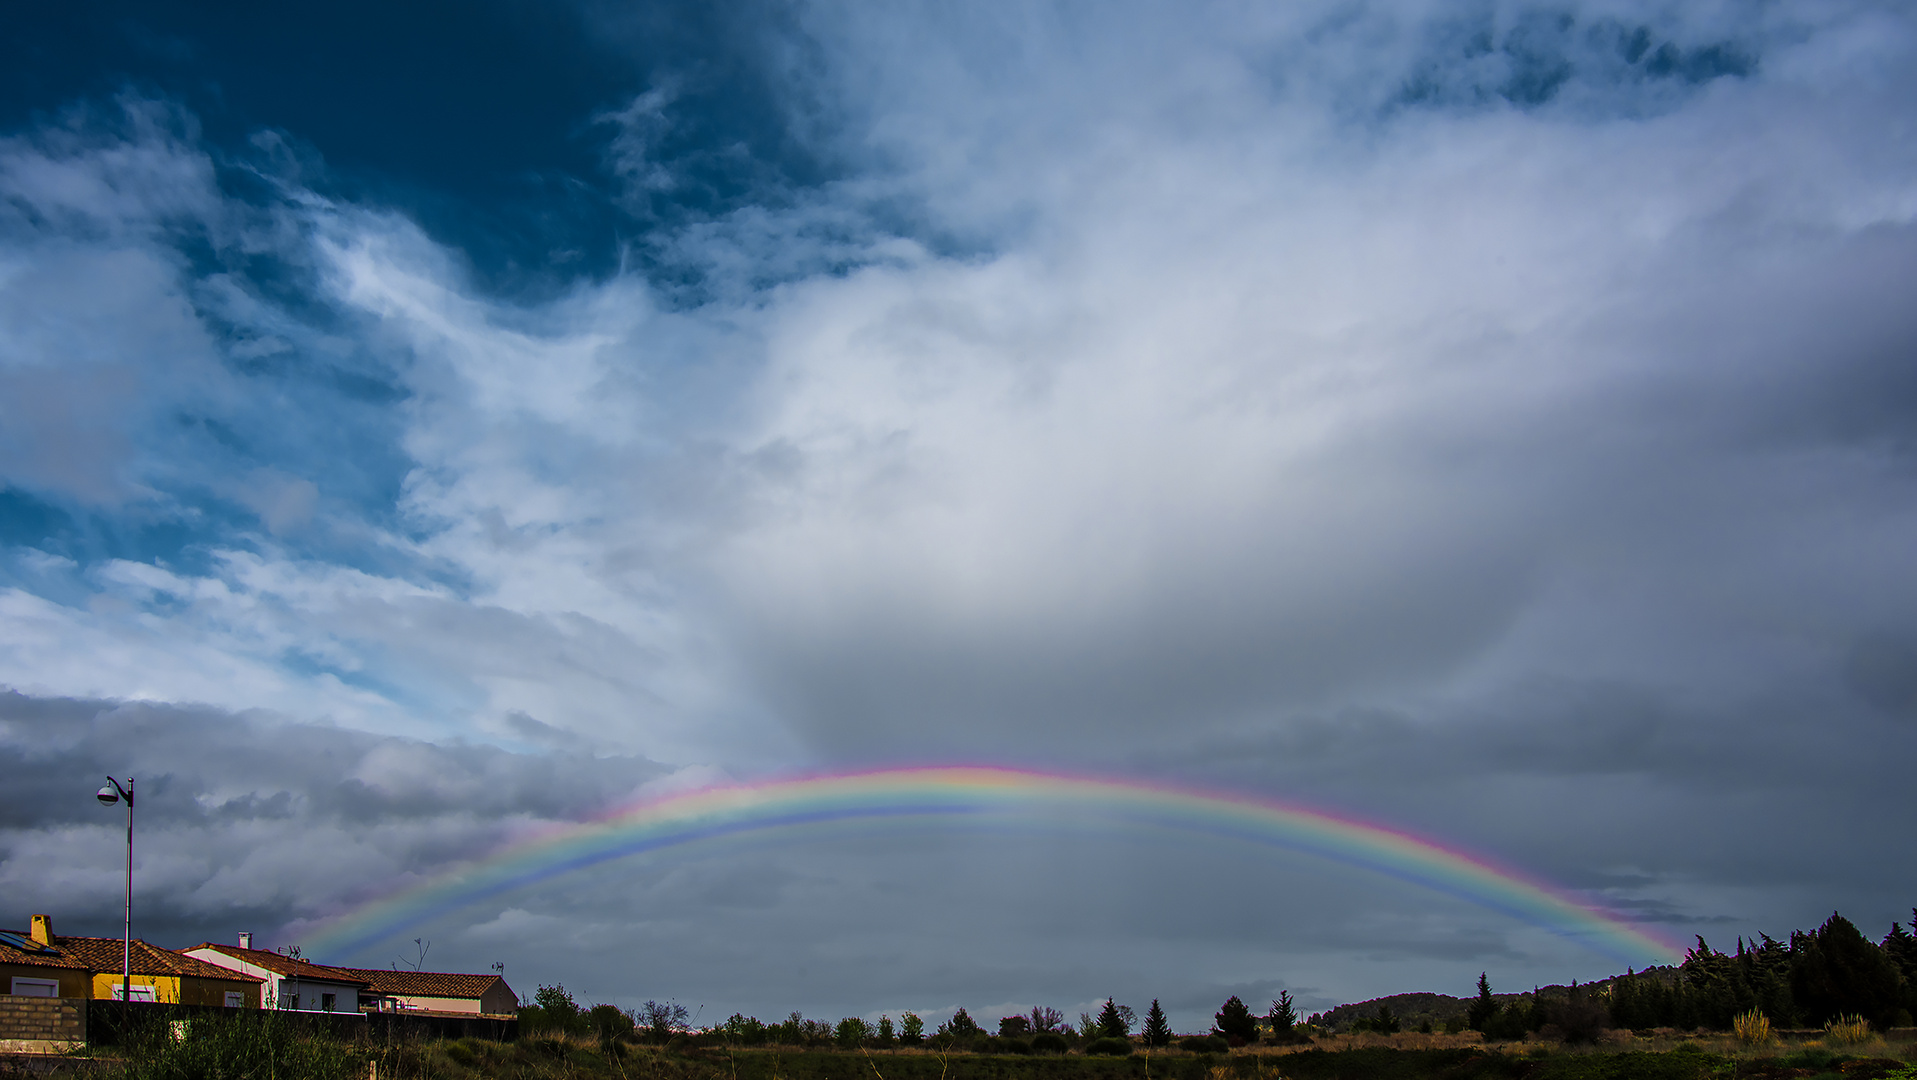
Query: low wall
[[41, 1024]]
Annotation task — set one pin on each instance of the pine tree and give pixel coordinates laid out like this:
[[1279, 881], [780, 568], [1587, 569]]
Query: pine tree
[[1157, 1030], [1111, 1023], [1234, 1021], [1483, 1007], [1283, 1016], [911, 1029]]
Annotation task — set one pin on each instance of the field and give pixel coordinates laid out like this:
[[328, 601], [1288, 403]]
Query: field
[[263, 1051]]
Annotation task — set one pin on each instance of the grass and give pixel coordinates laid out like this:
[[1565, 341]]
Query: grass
[[264, 1048]]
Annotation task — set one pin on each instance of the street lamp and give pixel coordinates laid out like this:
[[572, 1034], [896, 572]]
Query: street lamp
[[108, 796]]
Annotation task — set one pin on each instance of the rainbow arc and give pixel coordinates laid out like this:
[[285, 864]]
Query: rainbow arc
[[893, 796]]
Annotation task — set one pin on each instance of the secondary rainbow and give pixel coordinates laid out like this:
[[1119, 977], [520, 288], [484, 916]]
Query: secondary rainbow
[[908, 796]]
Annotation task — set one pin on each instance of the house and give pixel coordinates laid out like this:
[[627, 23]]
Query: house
[[437, 991], [96, 967], [291, 983], [32, 966]]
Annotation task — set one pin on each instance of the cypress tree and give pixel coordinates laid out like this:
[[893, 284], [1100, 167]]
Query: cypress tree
[[1157, 1030], [1483, 1007]]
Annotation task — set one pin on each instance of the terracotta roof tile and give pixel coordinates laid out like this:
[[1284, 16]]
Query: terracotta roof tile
[[106, 955], [285, 965], [425, 983], [62, 959]]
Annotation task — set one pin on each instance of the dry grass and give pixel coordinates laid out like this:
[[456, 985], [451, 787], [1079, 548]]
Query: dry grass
[[1752, 1029], [1846, 1031]]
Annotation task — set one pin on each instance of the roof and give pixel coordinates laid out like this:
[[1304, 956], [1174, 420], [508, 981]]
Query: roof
[[287, 966], [107, 955], [35, 954], [426, 983]]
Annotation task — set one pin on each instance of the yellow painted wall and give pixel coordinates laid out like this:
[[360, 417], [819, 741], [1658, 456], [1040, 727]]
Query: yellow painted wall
[[181, 990], [73, 984], [165, 987]]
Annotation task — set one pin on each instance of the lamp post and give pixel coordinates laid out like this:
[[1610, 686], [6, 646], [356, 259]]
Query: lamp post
[[108, 796]]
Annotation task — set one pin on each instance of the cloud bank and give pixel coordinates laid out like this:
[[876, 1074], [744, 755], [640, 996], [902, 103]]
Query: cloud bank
[[1494, 421]]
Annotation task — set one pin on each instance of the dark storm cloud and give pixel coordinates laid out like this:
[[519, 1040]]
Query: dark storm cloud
[[250, 818]]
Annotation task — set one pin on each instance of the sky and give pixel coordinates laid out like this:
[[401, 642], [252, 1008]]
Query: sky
[[426, 425]]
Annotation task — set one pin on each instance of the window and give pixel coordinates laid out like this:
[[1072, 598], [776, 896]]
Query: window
[[235, 999], [140, 993], [36, 988], [293, 1001], [326, 1002]]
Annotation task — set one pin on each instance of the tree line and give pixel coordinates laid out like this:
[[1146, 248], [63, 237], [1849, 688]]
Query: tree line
[[1812, 978]]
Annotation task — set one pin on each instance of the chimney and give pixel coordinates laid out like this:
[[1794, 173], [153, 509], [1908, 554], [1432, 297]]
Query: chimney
[[246, 939], [43, 930]]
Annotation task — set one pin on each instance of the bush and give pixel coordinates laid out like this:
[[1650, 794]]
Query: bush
[[1011, 1046], [1205, 1044], [1111, 1045], [1049, 1042]]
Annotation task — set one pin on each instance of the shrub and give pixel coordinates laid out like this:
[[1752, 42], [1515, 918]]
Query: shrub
[[1205, 1044], [1752, 1028], [1111, 1045], [608, 1023], [662, 1019], [1012, 1046], [1049, 1042]]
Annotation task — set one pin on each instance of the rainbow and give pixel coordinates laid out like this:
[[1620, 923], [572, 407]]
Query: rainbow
[[917, 794]]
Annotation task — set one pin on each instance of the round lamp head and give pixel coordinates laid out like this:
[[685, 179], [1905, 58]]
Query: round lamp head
[[108, 796]]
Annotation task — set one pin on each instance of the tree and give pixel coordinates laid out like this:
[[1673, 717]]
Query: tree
[[553, 1009], [1484, 1007], [1044, 1018], [911, 1029], [1283, 1016], [1234, 1021], [1088, 1026], [961, 1025], [1157, 1030], [662, 1019], [1901, 947], [1014, 1027], [852, 1032], [1386, 1022], [1837, 971], [886, 1034], [1112, 1023]]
